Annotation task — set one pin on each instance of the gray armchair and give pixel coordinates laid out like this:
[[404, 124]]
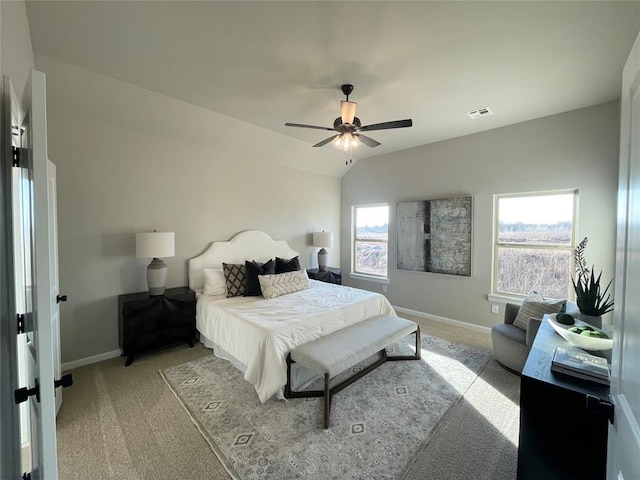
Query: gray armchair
[[511, 344]]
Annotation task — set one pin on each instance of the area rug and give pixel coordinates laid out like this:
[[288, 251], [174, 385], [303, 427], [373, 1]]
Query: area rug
[[379, 424]]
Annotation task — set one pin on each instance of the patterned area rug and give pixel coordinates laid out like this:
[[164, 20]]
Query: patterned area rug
[[379, 424]]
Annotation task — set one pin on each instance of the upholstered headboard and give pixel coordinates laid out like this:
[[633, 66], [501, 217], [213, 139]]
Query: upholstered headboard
[[247, 245]]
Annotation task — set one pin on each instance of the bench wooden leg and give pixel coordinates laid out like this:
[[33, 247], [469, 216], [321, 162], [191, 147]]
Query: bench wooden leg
[[327, 401], [416, 356], [287, 387]]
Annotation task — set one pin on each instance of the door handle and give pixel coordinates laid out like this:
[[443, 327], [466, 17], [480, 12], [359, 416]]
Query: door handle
[[22, 394], [64, 381], [61, 298]]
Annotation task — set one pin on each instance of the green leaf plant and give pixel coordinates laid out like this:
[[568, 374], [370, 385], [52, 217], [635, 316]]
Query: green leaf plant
[[590, 298]]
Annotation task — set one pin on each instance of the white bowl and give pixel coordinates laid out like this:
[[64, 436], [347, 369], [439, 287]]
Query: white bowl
[[581, 341]]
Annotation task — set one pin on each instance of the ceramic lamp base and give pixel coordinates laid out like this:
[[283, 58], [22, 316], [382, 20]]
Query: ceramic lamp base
[[322, 260], [157, 277]]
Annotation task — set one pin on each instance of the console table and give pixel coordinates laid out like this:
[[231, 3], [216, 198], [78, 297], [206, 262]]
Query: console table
[[563, 420]]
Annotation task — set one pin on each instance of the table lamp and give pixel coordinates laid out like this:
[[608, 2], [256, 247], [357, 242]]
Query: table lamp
[[154, 245], [322, 239]]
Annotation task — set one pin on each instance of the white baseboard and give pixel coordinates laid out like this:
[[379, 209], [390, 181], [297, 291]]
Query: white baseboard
[[116, 353], [450, 321], [89, 360]]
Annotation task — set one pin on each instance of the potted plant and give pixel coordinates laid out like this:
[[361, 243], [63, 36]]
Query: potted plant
[[593, 302]]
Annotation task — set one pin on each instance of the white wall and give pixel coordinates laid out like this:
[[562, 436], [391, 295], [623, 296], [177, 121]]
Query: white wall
[[129, 160], [578, 149]]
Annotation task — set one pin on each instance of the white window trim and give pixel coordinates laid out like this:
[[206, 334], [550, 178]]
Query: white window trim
[[502, 298], [369, 278], [384, 279], [496, 295]]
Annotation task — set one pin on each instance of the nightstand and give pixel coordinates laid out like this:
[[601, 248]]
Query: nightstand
[[147, 322], [331, 275]]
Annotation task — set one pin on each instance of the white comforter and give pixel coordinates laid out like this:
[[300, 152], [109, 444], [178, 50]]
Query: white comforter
[[260, 332]]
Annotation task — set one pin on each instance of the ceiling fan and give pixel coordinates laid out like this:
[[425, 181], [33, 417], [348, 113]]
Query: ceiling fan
[[349, 127]]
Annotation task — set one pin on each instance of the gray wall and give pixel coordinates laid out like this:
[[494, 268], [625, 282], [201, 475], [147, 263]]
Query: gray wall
[[129, 160], [578, 149], [16, 55]]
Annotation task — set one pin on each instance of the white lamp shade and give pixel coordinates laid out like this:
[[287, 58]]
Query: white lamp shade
[[347, 111], [155, 244], [323, 239]]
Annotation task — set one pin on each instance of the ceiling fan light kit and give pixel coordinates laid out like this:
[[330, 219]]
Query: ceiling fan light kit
[[346, 142], [348, 126]]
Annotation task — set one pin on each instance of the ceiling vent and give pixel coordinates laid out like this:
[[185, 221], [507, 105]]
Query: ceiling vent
[[481, 112]]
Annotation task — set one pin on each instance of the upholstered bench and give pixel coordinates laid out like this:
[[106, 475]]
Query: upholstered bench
[[337, 352]]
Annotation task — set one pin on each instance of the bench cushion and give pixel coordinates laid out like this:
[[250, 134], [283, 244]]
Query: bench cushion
[[341, 350]]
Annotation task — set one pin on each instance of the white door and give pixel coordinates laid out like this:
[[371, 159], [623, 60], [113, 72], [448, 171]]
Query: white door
[[623, 461], [10, 434], [43, 343], [56, 298]]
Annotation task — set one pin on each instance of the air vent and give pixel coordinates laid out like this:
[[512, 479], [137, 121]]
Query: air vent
[[481, 112]]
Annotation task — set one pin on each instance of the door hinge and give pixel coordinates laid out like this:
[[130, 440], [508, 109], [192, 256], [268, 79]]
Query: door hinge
[[20, 319], [18, 156], [603, 407], [23, 394]]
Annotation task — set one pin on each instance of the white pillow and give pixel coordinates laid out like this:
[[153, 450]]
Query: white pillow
[[273, 286], [214, 282]]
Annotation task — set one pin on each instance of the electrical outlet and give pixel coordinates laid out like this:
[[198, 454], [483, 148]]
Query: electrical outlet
[[494, 308], [384, 288]]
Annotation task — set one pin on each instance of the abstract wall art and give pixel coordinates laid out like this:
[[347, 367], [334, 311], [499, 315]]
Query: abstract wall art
[[435, 235]]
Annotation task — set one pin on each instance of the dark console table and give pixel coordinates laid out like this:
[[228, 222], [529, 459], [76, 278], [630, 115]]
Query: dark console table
[[147, 322], [563, 420]]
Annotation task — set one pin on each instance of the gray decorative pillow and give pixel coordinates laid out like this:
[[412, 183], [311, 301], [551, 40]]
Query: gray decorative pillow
[[234, 276], [273, 286], [536, 309]]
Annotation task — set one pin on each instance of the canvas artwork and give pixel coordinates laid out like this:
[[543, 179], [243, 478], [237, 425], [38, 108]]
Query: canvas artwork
[[435, 235]]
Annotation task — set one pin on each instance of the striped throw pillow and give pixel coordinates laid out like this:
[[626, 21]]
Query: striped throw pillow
[[536, 309]]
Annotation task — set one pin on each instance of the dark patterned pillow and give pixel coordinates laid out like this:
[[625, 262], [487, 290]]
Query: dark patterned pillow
[[234, 276], [284, 265], [251, 282]]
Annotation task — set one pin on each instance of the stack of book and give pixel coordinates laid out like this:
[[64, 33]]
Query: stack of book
[[581, 364]]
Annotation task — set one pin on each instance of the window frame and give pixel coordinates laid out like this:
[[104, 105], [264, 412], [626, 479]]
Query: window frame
[[354, 238], [497, 244]]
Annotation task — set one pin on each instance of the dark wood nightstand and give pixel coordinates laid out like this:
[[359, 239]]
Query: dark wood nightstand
[[331, 275], [146, 322]]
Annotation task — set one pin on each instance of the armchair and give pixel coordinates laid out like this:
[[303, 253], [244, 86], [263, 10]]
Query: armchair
[[511, 344]]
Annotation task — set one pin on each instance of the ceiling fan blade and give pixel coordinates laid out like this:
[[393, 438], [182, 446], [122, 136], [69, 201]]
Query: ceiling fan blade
[[307, 126], [325, 141], [387, 125], [367, 140]]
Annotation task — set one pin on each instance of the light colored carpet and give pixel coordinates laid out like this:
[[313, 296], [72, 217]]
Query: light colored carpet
[[378, 424], [124, 423]]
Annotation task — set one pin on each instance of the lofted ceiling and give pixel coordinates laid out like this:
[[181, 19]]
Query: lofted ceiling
[[267, 63]]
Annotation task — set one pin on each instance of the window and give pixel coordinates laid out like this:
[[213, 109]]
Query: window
[[534, 240], [371, 234]]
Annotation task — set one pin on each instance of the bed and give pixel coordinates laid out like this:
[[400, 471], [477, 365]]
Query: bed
[[255, 333]]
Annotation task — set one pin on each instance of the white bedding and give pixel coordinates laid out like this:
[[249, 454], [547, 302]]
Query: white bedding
[[259, 333]]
